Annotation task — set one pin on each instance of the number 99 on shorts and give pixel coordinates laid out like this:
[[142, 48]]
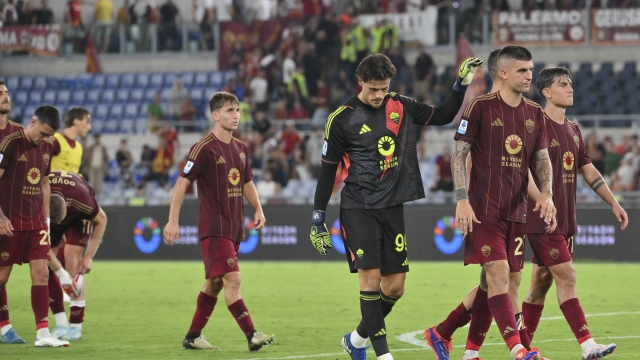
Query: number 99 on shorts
[[401, 242]]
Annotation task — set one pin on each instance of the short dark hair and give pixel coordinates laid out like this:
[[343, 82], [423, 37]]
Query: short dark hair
[[49, 115], [2, 83], [376, 67], [220, 99], [73, 114], [547, 76], [492, 62], [515, 52], [57, 208]]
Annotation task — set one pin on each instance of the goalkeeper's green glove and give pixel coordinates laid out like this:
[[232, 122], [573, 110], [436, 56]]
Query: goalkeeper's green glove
[[465, 75], [320, 237]]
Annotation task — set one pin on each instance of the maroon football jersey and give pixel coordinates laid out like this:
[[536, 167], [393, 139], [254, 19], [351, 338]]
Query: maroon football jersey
[[503, 140], [79, 195], [221, 170], [568, 154], [25, 167], [10, 128]]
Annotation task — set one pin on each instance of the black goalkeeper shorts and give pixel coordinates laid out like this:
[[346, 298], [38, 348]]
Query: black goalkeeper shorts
[[375, 239]]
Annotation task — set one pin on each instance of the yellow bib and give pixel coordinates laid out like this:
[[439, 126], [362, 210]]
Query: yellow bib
[[69, 158]]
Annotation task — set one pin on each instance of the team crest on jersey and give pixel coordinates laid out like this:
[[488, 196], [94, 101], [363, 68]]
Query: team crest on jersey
[[462, 129], [513, 144], [554, 253], [324, 148], [187, 167], [234, 176], [577, 140], [231, 262], [567, 160], [529, 125], [46, 158], [394, 117], [243, 157], [33, 176], [486, 250], [4, 256]]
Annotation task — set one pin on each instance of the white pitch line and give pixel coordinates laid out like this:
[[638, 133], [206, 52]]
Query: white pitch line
[[425, 348]]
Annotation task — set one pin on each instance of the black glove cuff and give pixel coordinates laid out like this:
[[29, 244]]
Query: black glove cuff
[[317, 217]]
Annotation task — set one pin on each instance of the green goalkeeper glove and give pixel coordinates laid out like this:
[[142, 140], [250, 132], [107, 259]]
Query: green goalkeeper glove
[[320, 237], [465, 75]]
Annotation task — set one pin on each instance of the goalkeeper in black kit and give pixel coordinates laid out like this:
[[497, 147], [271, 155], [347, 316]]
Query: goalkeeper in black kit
[[373, 136]]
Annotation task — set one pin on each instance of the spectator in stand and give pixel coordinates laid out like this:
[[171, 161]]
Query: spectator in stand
[[27, 15], [424, 71], [223, 10], [267, 188], [154, 113], [297, 89], [237, 56], [265, 9], [235, 87], [298, 112], [262, 125], [103, 22], [204, 15], [187, 115], [278, 165], [44, 15], [314, 151], [142, 14], [165, 154], [74, 29], [147, 156], [290, 138], [624, 178], [176, 98], [443, 179], [125, 160], [98, 163], [596, 152], [321, 103], [10, 13], [169, 14], [258, 87], [288, 67], [611, 157]]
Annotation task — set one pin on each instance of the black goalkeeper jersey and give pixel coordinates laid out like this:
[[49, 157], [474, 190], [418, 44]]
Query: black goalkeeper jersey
[[377, 148]]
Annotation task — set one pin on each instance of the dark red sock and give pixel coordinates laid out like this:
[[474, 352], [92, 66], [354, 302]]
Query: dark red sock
[[480, 321], [4, 308], [204, 308], [56, 300], [531, 314], [456, 319], [524, 338], [40, 305], [502, 311], [575, 317], [77, 314], [241, 314]]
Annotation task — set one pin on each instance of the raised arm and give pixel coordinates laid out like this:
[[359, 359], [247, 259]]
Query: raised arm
[[593, 177]]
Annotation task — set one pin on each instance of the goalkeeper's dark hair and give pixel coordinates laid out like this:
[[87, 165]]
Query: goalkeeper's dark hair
[[57, 208], [515, 52], [221, 99], [376, 67], [547, 76], [492, 62]]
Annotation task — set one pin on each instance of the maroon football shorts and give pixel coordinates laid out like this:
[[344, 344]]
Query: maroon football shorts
[[24, 246], [220, 256], [495, 239], [550, 250], [77, 233]]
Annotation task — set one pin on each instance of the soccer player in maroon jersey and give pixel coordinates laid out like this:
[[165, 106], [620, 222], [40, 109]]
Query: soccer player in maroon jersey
[[372, 136], [76, 217], [220, 165], [553, 252], [504, 132], [24, 237]]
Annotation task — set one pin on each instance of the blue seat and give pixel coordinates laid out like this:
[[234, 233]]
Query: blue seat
[[196, 95], [149, 94], [40, 83], [108, 96], [29, 110], [201, 80], [79, 97], [122, 95], [111, 126], [170, 79], [98, 81], [64, 97], [216, 79], [113, 81], [35, 98], [127, 81], [142, 81], [91, 109], [102, 111], [137, 95], [208, 93], [97, 125], [49, 96], [585, 68], [69, 81], [565, 65], [140, 126], [16, 112], [187, 79], [131, 111], [116, 111], [84, 81], [228, 75], [165, 94], [127, 126], [156, 81], [12, 83], [26, 83], [21, 98], [93, 96], [63, 110]]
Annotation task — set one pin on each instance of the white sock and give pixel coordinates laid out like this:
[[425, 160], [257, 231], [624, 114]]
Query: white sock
[[61, 319], [588, 345], [386, 356], [77, 326], [79, 303], [43, 333], [5, 329], [515, 350], [357, 340], [470, 354]]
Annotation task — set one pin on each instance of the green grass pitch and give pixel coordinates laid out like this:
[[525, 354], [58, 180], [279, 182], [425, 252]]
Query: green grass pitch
[[142, 310]]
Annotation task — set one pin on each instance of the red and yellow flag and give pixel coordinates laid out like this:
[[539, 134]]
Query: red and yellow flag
[[93, 63]]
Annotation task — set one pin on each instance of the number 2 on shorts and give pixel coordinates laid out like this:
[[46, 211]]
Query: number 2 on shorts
[[520, 242], [45, 237]]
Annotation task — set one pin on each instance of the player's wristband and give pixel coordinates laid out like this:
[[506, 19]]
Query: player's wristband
[[458, 87], [63, 275], [317, 217], [48, 224]]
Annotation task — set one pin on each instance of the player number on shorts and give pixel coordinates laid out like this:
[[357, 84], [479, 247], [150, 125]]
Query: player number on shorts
[[520, 242], [45, 237], [86, 226], [401, 243]]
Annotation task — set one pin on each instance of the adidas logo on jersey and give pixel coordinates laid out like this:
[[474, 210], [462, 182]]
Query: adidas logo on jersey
[[365, 129], [22, 158], [554, 142], [497, 122], [221, 160]]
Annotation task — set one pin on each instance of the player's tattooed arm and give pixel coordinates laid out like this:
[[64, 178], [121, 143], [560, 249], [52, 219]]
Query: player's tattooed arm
[[595, 184], [459, 169], [543, 170]]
